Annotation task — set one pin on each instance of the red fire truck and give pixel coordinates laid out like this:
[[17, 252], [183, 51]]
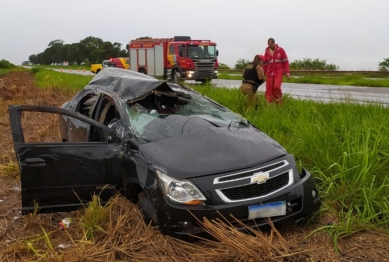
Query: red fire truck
[[176, 59]]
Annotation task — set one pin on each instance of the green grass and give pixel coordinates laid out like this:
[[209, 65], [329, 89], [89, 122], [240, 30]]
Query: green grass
[[344, 145], [350, 80], [50, 78], [73, 67], [4, 71]]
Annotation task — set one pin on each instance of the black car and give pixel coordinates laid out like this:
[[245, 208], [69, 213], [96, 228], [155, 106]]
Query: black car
[[167, 148]]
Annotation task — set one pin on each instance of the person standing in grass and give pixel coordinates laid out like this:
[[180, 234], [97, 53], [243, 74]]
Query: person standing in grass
[[252, 78], [276, 64]]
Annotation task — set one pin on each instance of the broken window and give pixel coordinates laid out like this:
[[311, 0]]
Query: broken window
[[161, 115]]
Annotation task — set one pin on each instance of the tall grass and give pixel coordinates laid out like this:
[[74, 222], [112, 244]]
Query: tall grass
[[4, 71], [73, 67], [50, 78], [345, 145]]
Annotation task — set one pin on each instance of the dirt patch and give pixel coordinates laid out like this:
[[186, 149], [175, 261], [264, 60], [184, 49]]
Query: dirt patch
[[122, 235]]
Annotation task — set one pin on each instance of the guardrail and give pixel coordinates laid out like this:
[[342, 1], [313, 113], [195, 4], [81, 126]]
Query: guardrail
[[310, 72]]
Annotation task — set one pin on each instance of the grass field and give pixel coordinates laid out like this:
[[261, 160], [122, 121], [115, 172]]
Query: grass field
[[50, 78], [344, 145], [73, 67], [4, 71], [350, 80]]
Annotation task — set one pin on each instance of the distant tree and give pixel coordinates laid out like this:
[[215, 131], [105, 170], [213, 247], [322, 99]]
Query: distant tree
[[223, 66], [89, 50], [384, 65], [92, 48], [55, 51], [57, 42], [241, 63], [33, 59], [5, 64], [144, 37], [312, 64]]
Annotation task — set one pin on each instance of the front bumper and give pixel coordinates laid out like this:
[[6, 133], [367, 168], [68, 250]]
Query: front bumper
[[175, 218], [193, 75]]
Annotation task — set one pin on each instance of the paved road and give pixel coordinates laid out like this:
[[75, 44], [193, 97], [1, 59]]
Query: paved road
[[324, 93]]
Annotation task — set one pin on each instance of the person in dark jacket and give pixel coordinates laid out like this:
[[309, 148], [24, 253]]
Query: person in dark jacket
[[252, 78]]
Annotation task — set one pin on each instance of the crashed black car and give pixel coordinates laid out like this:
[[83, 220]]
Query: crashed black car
[[165, 147]]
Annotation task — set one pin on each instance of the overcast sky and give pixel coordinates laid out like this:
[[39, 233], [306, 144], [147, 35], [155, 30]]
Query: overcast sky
[[351, 34]]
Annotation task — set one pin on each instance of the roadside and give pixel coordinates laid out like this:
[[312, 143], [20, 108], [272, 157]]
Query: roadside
[[124, 236], [341, 80]]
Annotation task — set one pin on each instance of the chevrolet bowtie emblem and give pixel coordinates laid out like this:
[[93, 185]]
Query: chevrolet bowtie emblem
[[259, 177]]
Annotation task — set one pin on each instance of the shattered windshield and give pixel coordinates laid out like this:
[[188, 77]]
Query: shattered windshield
[[195, 51], [158, 117]]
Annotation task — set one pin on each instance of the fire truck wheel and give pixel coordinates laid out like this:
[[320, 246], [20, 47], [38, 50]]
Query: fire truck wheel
[[176, 76]]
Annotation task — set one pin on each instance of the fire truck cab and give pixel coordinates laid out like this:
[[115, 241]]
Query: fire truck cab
[[176, 59]]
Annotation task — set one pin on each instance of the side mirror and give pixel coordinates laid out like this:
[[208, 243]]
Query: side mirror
[[217, 52]]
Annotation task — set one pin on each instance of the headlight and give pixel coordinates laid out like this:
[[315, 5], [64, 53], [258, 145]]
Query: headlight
[[180, 191], [215, 72]]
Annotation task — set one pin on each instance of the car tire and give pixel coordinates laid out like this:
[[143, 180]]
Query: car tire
[[98, 70], [142, 71], [146, 206]]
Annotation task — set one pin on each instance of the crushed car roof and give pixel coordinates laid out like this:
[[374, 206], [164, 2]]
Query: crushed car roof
[[127, 84]]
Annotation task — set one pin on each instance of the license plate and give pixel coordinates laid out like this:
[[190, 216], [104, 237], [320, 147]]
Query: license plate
[[267, 210]]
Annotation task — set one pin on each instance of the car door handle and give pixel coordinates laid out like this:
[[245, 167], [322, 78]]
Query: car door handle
[[35, 161]]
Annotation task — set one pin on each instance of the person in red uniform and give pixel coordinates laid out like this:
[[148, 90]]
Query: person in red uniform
[[276, 64]]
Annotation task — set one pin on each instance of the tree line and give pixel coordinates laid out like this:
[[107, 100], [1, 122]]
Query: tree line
[[307, 64], [304, 64], [92, 50], [89, 51]]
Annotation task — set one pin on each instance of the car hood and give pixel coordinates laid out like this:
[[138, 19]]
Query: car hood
[[211, 151]]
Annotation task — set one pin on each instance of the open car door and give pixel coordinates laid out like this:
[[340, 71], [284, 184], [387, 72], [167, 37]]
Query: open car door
[[62, 176]]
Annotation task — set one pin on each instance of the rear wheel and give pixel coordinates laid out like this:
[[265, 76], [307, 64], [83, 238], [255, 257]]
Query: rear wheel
[[98, 70]]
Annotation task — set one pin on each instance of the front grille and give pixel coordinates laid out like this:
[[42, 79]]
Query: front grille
[[250, 172], [203, 69], [257, 190]]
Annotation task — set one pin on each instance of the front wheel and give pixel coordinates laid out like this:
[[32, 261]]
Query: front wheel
[[147, 208]]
